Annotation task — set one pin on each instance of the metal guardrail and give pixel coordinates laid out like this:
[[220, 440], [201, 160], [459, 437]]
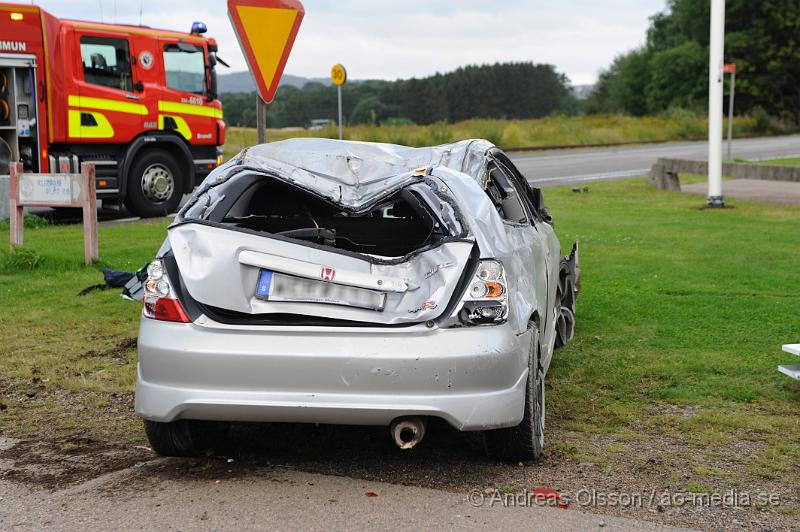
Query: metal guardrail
[[664, 174]]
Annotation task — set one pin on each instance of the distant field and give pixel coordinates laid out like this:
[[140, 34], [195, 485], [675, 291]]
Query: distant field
[[551, 131]]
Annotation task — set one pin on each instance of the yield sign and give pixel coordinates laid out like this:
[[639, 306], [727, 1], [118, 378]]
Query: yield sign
[[266, 30]]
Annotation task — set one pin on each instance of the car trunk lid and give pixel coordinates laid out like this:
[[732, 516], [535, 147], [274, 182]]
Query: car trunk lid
[[257, 274]]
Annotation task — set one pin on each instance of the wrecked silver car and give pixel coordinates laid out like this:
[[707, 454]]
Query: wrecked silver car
[[320, 281]]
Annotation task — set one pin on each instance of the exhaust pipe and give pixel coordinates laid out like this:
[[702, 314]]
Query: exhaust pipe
[[407, 432]]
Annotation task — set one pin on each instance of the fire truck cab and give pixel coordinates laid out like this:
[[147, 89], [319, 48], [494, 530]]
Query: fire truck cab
[[139, 103]]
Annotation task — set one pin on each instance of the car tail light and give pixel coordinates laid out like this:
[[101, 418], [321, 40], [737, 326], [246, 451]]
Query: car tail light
[[486, 298], [159, 301]]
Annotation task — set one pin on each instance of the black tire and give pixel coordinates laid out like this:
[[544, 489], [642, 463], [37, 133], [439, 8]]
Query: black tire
[[155, 184], [188, 437], [179, 438], [526, 440]]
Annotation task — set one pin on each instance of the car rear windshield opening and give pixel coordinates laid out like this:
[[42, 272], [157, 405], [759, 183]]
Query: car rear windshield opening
[[396, 227]]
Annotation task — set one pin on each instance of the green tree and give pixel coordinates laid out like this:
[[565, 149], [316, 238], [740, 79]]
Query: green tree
[[503, 90], [672, 68]]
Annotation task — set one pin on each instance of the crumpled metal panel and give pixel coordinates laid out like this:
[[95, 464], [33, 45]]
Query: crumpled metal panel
[[514, 246], [208, 260], [346, 172]]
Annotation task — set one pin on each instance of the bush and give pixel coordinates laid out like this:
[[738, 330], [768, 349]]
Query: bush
[[30, 221], [512, 136], [397, 122], [20, 259], [440, 133], [763, 122], [491, 130]]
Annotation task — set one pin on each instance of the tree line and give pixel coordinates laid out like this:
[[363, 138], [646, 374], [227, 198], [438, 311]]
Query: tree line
[[671, 69], [502, 90]]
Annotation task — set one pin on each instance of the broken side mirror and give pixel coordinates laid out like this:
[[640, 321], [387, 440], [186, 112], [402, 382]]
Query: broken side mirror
[[545, 214], [211, 93]]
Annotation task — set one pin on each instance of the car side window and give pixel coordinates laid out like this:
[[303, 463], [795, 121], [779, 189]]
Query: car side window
[[532, 196], [107, 62], [504, 195]]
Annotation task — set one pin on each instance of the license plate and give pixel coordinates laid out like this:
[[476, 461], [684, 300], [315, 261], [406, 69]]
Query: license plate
[[274, 286]]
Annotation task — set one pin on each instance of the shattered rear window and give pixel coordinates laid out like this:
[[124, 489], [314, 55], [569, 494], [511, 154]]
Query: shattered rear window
[[396, 226]]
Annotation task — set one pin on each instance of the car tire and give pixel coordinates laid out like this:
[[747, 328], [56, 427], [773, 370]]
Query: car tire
[[526, 440], [566, 297], [179, 438], [155, 185]]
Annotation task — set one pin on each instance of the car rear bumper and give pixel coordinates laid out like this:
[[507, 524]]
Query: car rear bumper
[[474, 378]]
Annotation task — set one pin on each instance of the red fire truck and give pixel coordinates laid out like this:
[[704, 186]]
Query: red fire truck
[[139, 103]]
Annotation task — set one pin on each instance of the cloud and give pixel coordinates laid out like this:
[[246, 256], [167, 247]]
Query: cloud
[[389, 40]]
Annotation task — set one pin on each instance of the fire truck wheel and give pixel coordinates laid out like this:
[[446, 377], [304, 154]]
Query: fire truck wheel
[[154, 185]]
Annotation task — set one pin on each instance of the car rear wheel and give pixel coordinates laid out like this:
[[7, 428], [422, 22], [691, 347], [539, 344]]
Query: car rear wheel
[[178, 438], [526, 440], [155, 185]]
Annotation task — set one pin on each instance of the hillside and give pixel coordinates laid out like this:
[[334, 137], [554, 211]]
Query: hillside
[[242, 82]]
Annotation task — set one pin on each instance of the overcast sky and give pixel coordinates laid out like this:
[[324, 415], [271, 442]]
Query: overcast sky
[[405, 38]]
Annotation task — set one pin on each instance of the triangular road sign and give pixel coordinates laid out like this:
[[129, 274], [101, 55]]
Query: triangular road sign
[[266, 30]]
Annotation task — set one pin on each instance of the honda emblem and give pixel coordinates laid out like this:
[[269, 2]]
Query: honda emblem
[[328, 274]]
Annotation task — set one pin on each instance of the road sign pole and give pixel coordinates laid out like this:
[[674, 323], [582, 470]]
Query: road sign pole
[[341, 121], [261, 120], [730, 116], [715, 96]]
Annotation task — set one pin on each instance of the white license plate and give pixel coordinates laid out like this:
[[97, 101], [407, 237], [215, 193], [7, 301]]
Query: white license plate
[[274, 286]]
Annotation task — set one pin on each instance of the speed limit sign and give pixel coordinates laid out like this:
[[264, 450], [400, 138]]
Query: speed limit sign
[[338, 75]]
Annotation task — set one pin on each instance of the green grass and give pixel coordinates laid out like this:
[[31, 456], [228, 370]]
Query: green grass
[[688, 308], [680, 321], [792, 161], [552, 131]]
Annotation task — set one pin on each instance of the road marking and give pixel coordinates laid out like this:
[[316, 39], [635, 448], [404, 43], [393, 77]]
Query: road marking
[[580, 153], [583, 154], [590, 177]]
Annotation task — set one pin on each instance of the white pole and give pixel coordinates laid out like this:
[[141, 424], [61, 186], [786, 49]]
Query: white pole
[[341, 121], [730, 117], [715, 95]]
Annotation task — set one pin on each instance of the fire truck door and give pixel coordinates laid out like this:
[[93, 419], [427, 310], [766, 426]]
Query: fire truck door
[[148, 81], [108, 108]]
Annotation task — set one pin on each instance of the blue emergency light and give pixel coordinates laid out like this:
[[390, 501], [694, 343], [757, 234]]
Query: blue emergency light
[[199, 27]]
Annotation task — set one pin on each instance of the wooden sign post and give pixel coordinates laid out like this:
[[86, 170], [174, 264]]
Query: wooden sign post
[[55, 190]]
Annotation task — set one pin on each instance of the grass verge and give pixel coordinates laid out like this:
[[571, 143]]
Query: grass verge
[[792, 161]]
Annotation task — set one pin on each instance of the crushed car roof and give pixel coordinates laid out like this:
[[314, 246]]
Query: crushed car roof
[[349, 172]]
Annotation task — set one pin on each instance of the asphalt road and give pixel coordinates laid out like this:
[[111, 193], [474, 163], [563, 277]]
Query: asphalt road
[[561, 167]]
